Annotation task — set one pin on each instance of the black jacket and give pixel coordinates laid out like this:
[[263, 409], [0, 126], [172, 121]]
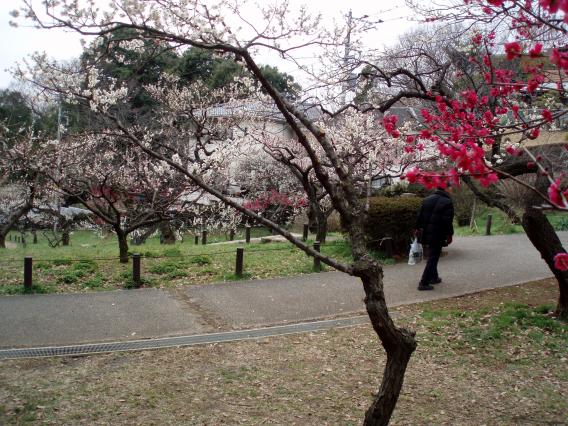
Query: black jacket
[[436, 217]]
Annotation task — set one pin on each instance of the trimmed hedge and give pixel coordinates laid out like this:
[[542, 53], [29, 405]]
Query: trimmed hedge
[[392, 217]]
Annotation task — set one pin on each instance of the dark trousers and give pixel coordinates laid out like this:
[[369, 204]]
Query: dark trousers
[[431, 270]]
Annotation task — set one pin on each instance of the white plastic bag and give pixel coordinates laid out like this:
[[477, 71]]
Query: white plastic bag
[[415, 254]]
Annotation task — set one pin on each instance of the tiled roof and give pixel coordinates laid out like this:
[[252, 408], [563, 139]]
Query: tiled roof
[[258, 109]]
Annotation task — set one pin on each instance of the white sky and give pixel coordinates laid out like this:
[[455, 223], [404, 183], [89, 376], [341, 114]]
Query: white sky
[[18, 43]]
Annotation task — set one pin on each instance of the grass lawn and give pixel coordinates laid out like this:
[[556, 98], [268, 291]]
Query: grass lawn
[[500, 223], [493, 358], [90, 263]]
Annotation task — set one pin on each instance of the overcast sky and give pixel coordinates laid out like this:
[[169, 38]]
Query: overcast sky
[[20, 42]]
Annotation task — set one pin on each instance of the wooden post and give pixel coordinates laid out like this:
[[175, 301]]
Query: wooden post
[[203, 237], [231, 235], [317, 262], [489, 220], [306, 232], [247, 234], [196, 239], [239, 264], [27, 273], [136, 270]]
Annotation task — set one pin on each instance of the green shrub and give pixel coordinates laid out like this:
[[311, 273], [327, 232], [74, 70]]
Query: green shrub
[[200, 260], [61, 262], [392, 217], [42, 265], [172, 269], [172, 252], [94, 282], [86, 266], [71, 277], [463, 205], [562, 224]]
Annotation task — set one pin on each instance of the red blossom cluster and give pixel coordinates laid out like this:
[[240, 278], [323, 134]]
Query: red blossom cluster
[[459, 131], [560, 59], [273, 198], [389, 123], [550, 6], [513, 50], [561, 261], [557, 195], [554, 6]]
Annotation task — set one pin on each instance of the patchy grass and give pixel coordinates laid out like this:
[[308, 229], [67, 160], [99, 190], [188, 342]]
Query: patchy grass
[[62, 270], [501, 224], [457, 376]]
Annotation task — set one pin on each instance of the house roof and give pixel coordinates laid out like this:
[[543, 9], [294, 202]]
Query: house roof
[[258, 109]]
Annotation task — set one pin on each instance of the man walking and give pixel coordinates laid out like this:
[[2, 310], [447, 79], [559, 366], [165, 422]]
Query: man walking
[[435, 230]]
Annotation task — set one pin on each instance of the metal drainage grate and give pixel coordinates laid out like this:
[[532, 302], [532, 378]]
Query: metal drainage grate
[[169, 342]]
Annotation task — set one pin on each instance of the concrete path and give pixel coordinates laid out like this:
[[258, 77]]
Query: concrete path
[[472, 264]]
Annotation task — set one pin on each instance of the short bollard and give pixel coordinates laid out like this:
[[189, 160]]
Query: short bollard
[[306, 232], [27, 273], [196, 239], [203, 238], [239, 264], [489, 220], [247, 234], [136, 270], [317, 262]]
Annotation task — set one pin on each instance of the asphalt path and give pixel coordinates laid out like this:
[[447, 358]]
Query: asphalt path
[[471, 264]]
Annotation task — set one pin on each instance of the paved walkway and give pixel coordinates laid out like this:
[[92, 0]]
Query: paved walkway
[[472, 264]]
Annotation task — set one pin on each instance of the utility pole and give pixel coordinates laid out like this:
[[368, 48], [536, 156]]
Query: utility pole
[[59, 120], [345, 85]]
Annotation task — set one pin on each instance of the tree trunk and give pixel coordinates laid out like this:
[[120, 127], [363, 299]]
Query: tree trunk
[[12, 219], [321, 234], [317, 221], [546, 241], [167, 235], [65, 237], [141, 239], [398, 343], [122, 246]]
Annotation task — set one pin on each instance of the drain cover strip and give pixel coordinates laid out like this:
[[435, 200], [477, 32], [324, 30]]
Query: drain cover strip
[[169, 342]]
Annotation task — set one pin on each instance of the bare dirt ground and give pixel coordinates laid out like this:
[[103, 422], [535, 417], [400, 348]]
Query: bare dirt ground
[[493, 358]]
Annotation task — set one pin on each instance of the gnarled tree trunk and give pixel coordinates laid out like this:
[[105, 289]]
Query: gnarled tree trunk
[[122, 246], [12, 219], [141, 239], [398, 343], [317, 221], [167, 235], [65, 237], [546, 241]]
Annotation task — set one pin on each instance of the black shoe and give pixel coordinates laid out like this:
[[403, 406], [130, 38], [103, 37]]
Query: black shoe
[[436, 281], [425, 287]]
